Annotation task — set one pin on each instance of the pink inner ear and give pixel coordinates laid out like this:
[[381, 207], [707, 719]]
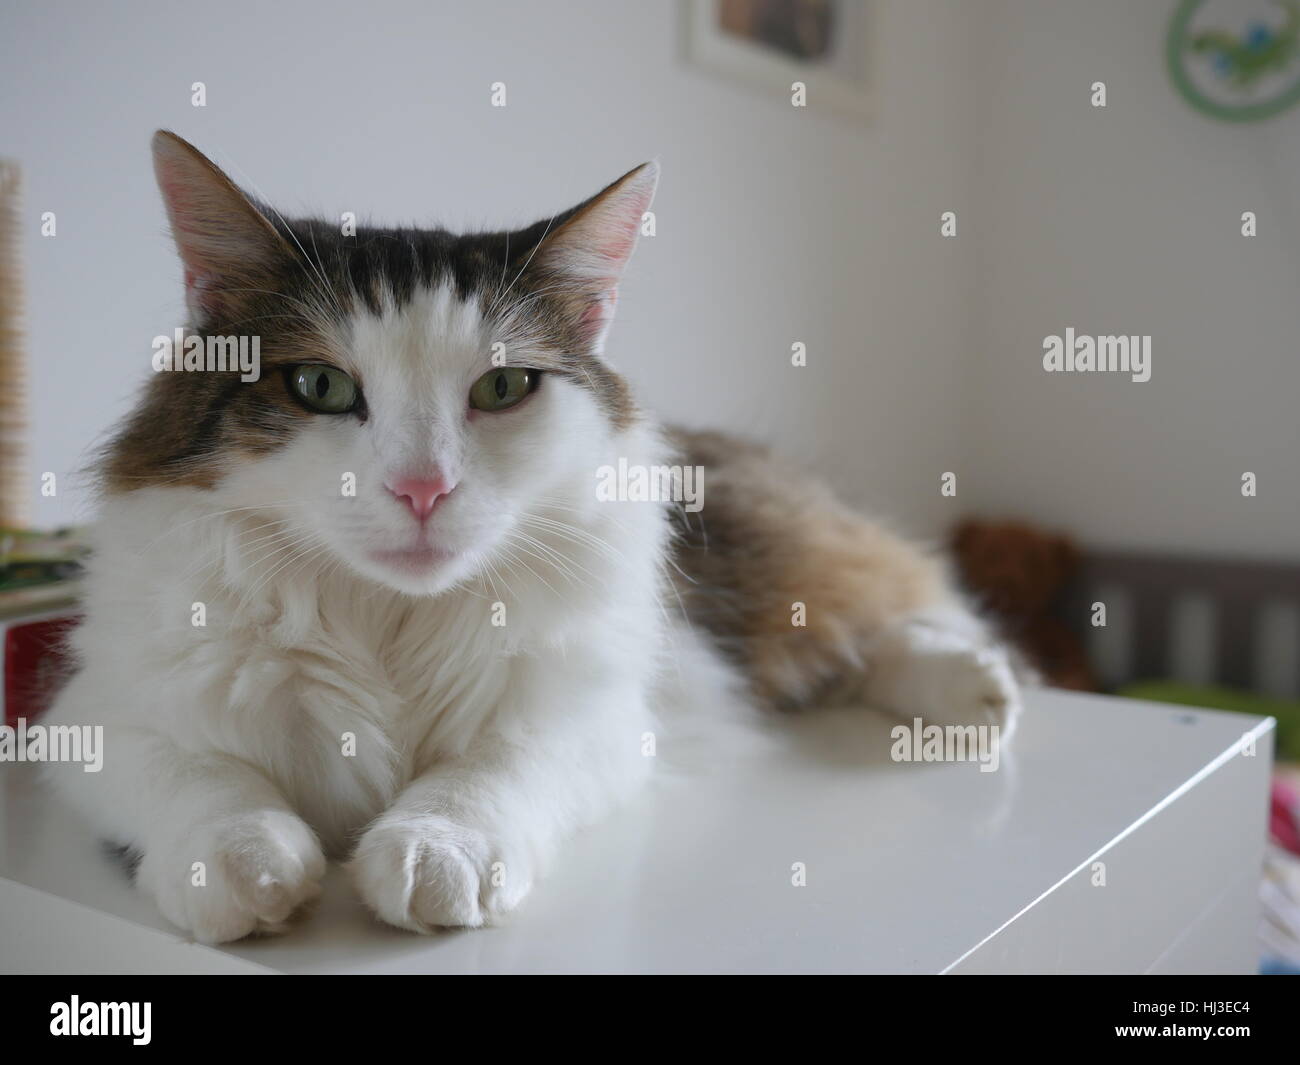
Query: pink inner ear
[[199, 292], [200, 295], [179, 209], [171, 190], [617, 246], [178, 205], [598, 314]]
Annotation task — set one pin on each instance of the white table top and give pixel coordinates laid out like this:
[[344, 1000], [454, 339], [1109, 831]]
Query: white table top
[[909, 866]]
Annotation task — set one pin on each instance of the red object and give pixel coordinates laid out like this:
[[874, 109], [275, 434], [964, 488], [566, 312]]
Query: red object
[[1284, 817], [35, 659]]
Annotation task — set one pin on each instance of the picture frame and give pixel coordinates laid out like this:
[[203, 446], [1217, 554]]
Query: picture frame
[[771, 44]]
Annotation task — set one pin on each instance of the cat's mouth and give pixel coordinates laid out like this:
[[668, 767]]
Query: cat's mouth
[[412, 560]]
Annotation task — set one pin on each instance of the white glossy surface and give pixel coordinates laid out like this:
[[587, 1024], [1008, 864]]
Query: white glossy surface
[[910, 867], [42, 934]]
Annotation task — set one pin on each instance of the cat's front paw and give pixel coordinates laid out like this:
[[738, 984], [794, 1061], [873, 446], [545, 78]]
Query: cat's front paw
[[242, 875], [423, 873]]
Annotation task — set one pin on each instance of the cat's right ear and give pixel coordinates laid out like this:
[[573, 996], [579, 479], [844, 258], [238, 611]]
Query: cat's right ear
[[226, 244]]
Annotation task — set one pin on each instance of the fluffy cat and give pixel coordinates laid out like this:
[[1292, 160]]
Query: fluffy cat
[[443, 672]]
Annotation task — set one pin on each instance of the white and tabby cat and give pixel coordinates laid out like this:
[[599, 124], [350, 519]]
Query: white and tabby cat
[[442, 674]]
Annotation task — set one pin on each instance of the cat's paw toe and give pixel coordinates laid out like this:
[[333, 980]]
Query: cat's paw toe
[[425, 873], [950, 680], [976, 687], [247, 875]]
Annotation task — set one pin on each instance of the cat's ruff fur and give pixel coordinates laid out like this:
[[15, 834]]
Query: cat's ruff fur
[[334, 705]]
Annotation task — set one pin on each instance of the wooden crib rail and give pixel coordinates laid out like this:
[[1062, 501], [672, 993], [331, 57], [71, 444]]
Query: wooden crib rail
[[1153, 585]]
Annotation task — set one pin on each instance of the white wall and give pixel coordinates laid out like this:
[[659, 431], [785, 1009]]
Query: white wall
[[775, 224], [1127, 220]]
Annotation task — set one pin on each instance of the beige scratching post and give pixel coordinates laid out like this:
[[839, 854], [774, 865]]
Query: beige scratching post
[[13, 364]]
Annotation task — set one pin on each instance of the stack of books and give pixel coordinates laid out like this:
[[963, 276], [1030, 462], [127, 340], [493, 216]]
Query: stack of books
[[39, 574]]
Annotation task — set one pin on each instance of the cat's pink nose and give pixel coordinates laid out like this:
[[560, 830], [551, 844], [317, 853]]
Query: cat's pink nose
[[420, 493]]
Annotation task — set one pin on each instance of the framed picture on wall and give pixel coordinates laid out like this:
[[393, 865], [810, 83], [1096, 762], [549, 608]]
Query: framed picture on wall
[[772, 44]]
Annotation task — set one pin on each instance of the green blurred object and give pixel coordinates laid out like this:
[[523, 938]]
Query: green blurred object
[[1236, 59], [30, 557], [1209, 697]]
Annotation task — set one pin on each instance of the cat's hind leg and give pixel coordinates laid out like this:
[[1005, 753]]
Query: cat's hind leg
[[816, 604], [942, 665]]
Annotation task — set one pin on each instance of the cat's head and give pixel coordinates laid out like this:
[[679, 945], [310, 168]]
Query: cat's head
[[419, 391]]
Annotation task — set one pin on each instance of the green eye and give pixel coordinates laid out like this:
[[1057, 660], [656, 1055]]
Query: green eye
[[501, 388], [324, 388]]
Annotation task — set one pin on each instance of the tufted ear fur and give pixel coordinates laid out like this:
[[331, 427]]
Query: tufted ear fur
[[585, 257], [226, 244]]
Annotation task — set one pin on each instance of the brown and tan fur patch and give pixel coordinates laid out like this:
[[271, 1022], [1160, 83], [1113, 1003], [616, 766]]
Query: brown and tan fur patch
[[769, 537]]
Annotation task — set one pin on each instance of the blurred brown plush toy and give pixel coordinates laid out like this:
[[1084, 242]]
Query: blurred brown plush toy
[[1015, 572]]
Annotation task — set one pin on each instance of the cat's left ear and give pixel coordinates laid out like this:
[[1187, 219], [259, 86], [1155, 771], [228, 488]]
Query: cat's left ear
[[584, 258]]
